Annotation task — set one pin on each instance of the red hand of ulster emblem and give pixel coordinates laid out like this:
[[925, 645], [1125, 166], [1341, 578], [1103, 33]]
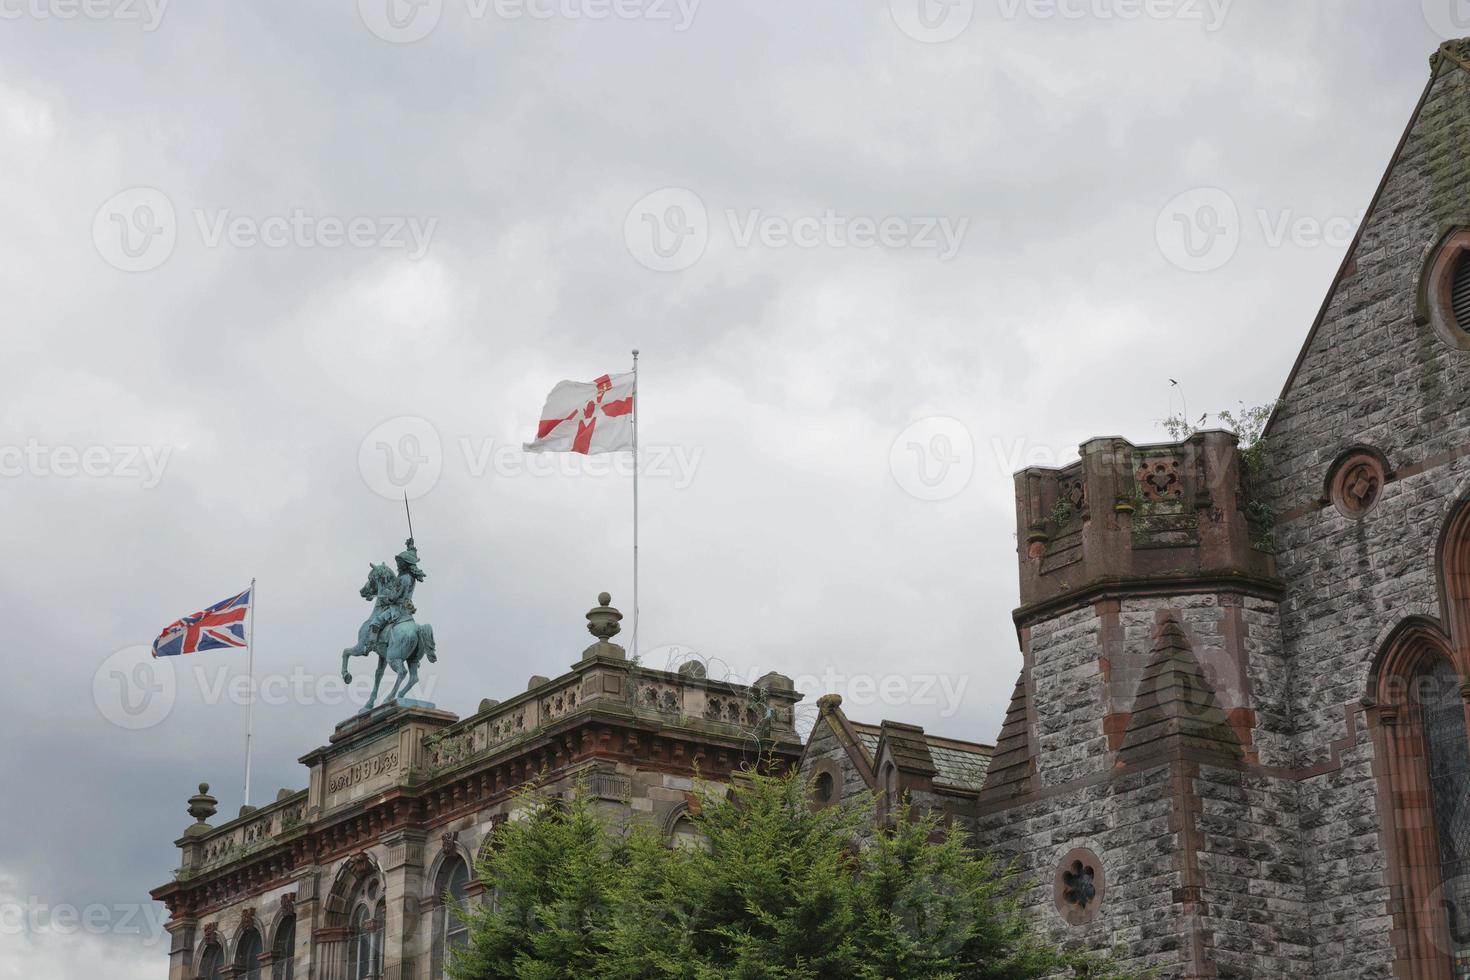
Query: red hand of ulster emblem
[[588, 423]]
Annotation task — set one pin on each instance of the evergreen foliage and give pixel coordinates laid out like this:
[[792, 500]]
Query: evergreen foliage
[[773, 890]]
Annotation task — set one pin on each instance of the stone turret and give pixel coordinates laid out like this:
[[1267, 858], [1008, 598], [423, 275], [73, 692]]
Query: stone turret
[[1151, 696], [1126, 516]]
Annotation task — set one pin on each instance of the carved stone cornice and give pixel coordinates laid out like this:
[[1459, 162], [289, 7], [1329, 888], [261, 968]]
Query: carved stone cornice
[[600, 713]]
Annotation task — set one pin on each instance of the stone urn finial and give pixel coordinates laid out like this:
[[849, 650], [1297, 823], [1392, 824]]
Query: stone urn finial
[[202, 806], [602, 622]]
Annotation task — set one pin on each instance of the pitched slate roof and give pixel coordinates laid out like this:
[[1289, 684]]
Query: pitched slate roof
[[960, 764]]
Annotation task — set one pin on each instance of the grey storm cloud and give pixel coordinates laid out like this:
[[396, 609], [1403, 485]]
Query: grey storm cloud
[[259, 260]]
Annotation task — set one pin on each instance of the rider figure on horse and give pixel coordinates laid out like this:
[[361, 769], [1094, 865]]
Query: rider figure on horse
[[395, 598]]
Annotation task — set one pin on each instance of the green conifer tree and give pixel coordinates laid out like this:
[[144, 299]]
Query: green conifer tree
[[771, 889]]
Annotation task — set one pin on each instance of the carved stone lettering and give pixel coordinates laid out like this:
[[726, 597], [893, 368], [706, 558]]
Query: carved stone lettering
[[379, 765]]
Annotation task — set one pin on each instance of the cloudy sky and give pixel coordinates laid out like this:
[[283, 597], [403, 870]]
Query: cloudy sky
[[265, 266]]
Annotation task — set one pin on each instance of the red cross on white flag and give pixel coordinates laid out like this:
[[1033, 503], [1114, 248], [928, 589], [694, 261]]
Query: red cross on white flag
[[587, 418]]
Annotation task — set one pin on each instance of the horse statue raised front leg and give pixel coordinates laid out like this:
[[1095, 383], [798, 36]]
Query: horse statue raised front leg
[[369, 635], [399, 643]]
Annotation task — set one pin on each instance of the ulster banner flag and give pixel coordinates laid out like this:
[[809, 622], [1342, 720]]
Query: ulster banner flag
[[587, 418]]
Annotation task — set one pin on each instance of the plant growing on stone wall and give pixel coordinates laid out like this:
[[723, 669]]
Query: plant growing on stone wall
[[1249, 427], [1061, 512], [1140, 507], [449, 750]]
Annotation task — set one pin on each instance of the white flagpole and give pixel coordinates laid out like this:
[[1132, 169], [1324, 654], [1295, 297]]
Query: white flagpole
[[636, 408], [250, 705]]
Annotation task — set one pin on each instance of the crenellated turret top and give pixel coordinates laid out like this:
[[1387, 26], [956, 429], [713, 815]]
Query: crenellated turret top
[[1125, 516]]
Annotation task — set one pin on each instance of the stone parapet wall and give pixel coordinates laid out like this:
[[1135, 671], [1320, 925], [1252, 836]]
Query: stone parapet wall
[[1127, 515]]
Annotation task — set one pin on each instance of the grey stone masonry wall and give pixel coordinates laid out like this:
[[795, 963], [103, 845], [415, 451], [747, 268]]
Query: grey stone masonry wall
[[1249, 922], [1375, 373], [825, 752], [1194, 720], [1166, 769]]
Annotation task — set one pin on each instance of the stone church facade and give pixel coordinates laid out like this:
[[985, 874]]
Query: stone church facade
[[1237, 744], [1236, 747]]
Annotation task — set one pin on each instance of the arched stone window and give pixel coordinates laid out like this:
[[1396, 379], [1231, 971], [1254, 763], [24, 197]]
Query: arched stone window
[[825, 787], [1418, 703], [212, 964], [1423, 769], [450, 930], [283, 950], [368, 925], [683, 833], [1447, 755], [247, 955], [680, 830]]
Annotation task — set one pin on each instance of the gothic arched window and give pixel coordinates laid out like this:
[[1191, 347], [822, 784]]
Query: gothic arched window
[[368, 932], [685, 834], [212, 965], [1447, 757], [1421, 741], [283, 966], [247, 956], [450, 930]]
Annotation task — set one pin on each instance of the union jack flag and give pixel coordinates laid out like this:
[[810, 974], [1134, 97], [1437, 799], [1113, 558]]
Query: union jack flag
[[219, 627]]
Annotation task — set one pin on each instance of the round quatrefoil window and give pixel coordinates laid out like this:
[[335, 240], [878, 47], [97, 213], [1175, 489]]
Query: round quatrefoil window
[[1356, 484], [1078, 889]]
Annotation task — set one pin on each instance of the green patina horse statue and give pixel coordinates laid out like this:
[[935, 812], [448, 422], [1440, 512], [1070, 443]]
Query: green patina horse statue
[[390, 631]]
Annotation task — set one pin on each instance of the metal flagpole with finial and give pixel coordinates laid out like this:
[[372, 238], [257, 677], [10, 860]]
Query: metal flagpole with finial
[[250, 705], [635, 502]]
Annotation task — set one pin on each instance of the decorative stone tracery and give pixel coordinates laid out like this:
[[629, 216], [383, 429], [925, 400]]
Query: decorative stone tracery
[[1158, 479], [1078, 886]]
